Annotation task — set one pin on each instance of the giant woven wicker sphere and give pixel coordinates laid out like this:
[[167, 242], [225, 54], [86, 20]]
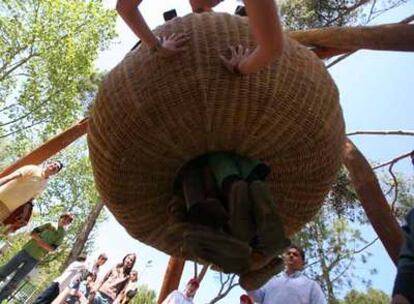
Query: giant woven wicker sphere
[[153, 114]]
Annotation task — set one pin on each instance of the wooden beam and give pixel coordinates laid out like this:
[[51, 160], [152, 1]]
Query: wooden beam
[[373, 200], [332, 41], [49, 148], [172, 277]]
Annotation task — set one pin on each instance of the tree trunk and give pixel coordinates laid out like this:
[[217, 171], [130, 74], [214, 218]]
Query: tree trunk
[[83, 234], [49, 148], [202, 273], [373, 200], [172, 277], [336, 40], [317, 228]]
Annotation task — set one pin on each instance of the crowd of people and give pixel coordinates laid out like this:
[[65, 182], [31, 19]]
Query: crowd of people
[[79, 283]]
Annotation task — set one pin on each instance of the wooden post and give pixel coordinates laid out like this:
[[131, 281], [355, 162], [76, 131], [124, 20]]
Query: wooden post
[[373, 200], [332, 41], [49, 148], [172, 277]]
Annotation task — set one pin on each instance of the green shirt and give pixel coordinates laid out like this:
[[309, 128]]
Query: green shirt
[[47, 233]]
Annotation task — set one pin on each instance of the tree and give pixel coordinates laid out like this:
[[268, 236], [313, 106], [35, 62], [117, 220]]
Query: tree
[[84, 234], [47, 52], [227, 283], [332, 246], [400, 192], [331, 242], [145, 295], [47, 81], [306, 14], [372, 296]]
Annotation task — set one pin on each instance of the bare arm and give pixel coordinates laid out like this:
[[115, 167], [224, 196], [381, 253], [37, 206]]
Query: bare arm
[[267, 30], [99, 283], [41, 243], [10, 177], [129, 11]]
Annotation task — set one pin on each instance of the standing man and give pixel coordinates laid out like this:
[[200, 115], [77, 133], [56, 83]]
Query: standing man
[[292, 286], [45, 239], [403, 292], [24, 184], [185, 297], [100, 261]]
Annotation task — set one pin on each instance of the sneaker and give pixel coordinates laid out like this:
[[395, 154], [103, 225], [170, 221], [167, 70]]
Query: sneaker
[[255, 279], [218, 248], [269, 227]]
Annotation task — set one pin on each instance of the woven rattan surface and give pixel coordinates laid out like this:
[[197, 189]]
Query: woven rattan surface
[[153, 114]]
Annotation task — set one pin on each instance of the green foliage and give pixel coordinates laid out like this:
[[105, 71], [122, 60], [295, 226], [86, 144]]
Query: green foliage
[[145, 295], [16, 243], [47, 52], [342, 200], [332, 242], [47, 82], [372, 296], [405, 194], [306, 14]]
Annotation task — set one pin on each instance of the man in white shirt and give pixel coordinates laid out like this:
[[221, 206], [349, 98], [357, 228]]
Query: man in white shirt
[[24, 184], [186, 297], [292, 286], [61, 282], [72, 286], [101, 260]]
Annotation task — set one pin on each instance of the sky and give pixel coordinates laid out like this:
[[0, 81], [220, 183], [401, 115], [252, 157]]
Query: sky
[[376, 93]]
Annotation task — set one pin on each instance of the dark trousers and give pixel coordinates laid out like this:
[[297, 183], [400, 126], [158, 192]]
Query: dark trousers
[[404, 281], [21, 264], [49, 294]]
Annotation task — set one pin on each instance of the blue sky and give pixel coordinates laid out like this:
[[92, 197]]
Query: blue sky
[[377, 91]]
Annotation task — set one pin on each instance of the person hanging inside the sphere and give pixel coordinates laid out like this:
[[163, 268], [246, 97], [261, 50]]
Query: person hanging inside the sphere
[[236, 223], [263, 19], [239, 230]]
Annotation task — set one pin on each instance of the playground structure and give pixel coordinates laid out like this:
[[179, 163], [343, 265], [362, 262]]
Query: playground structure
[[324, 43]]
